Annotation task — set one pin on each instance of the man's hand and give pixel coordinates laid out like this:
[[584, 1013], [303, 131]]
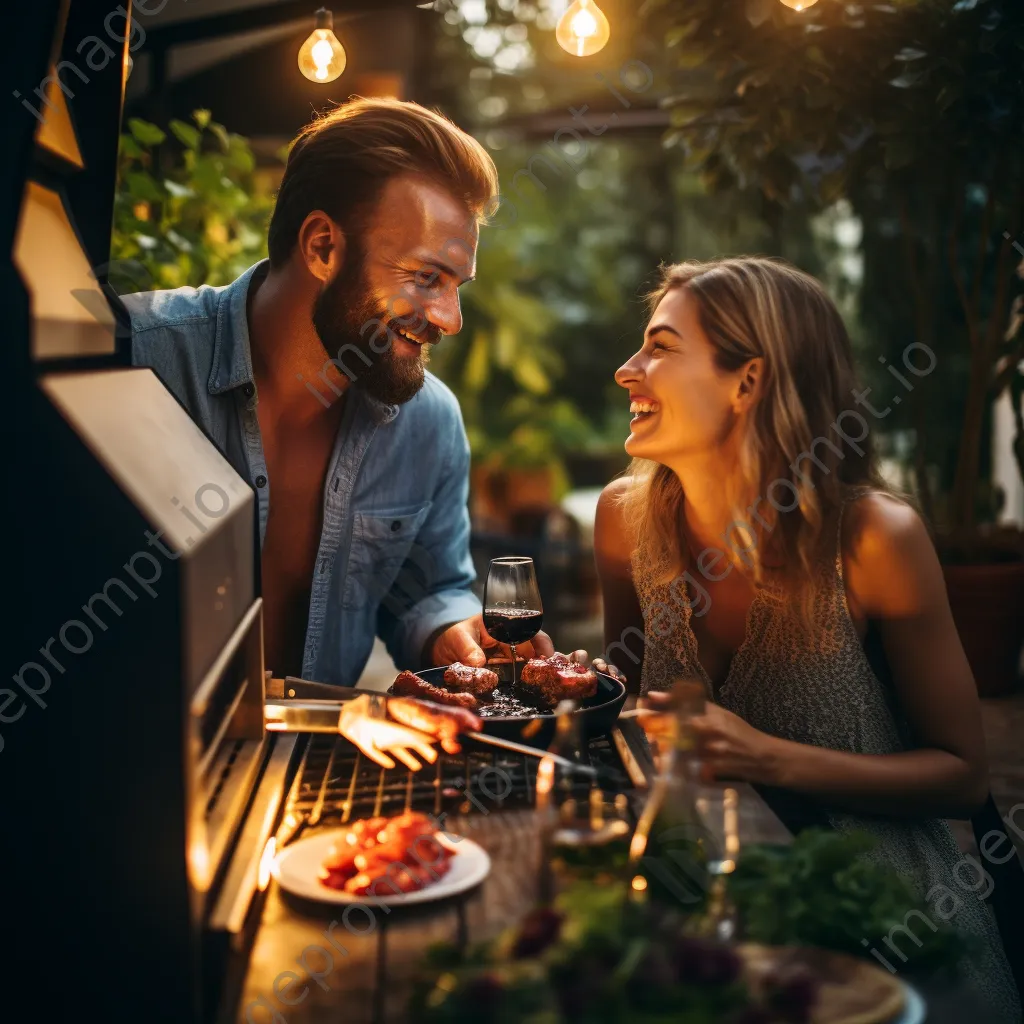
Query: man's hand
[[466, 641], [376, 737], [442, 722]]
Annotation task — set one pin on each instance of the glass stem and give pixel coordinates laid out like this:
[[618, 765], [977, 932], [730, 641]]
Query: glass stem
[[512, 648]]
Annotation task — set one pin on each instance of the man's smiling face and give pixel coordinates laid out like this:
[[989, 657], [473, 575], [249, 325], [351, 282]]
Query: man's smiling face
[[396, 292]]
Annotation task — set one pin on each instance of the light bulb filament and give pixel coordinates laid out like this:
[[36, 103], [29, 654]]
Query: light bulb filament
[[322, 58], [322, 54], [583, 29]]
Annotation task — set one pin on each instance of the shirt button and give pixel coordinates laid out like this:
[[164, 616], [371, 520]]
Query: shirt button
[[396, 526], [249, 390], [261, 481]]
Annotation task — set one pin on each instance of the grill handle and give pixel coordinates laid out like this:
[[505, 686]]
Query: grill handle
[[302, 715]]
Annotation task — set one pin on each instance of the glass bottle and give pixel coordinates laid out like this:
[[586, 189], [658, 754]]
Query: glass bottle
[[584, 834], [669, 850]]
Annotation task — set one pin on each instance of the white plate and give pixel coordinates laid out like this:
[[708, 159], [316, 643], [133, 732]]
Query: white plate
[[913, 1008], [297, 866]]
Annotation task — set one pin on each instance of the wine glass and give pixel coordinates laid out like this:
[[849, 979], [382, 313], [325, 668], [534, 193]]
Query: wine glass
[[513, 613]]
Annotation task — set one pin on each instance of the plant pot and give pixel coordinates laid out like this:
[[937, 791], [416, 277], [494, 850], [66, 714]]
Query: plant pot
[[500, 492], [987, 601]]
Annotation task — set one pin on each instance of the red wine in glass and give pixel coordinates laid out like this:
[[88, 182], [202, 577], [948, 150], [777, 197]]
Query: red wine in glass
[[513, 613], [514, 626]]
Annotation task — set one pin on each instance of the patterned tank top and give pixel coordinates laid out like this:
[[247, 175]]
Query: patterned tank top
[[820, 688]]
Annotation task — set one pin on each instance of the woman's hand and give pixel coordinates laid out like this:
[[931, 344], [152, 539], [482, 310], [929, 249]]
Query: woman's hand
[[729, 748], [609, 668], [581, 657]]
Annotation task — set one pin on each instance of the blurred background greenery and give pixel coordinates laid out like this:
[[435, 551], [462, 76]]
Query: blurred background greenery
[[875, 145]]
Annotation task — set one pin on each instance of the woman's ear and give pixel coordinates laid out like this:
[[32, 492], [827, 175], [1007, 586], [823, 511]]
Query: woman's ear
[[748, 388]]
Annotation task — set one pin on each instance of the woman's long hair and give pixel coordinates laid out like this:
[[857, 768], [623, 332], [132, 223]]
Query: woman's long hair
[[805, 443]]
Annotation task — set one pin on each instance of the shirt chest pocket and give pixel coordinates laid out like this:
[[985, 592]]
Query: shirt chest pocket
[[381, 543]]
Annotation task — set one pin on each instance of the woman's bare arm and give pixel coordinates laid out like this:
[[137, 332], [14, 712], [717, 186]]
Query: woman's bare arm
[[623, 622], [893, 578]]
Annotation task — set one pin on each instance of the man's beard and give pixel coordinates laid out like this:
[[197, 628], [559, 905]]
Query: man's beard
[[358, 332]]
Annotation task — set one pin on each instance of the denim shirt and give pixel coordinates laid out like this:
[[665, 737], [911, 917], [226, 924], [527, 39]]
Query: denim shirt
[[393, 558]]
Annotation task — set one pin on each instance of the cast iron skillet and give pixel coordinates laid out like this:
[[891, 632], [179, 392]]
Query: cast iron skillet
[[597, 714]]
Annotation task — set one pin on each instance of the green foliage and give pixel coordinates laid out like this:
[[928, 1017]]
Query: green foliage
[[604, 959], [913, 110], [580, 241], [825, 890], [602, 955], [187, 214], [551, 313]]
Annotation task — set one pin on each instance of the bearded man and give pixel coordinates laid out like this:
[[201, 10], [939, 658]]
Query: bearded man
[[308, 372]]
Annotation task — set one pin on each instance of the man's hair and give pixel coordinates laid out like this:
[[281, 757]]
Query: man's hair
[[340, 162]]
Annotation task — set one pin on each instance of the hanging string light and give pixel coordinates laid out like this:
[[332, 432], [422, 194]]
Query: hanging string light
[[583, 29], [799, 5], [322, 57]]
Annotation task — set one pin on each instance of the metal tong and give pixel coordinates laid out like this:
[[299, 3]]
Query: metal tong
[[321, 716]]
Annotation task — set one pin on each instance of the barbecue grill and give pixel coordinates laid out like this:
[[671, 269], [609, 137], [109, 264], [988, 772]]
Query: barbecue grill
[[144, 797], [482, 793]]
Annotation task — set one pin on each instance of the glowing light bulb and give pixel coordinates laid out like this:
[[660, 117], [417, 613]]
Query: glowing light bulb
[[322, 57], [583, 29], [799, 5]]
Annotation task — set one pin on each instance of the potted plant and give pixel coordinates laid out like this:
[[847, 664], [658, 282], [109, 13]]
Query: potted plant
[[519, 468], [912, 111]]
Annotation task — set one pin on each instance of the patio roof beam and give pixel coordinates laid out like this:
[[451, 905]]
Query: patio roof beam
[[640, 119], [196, 30]]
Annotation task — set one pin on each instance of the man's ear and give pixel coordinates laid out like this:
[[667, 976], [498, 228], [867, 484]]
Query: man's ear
[[321, 246], [751, 381]]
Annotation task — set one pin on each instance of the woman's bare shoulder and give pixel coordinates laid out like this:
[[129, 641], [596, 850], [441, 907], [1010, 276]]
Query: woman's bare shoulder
[[890, 560], [613, 538], [615, 490]]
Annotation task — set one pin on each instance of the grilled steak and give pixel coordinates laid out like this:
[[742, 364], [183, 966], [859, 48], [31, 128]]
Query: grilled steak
[[386, 856], [465, 679], [549, 680], [408, 684]]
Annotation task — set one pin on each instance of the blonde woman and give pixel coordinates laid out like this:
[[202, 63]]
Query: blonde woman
[[753, 547]]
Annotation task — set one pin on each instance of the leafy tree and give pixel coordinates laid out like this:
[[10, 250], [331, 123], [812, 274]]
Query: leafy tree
[[556, 306], [914, 111]]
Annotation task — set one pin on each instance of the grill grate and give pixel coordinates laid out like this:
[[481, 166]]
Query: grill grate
[[337, 784]]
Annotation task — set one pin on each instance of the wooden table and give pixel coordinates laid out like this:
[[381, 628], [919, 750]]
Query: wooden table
[[296, 976], [294, 962]]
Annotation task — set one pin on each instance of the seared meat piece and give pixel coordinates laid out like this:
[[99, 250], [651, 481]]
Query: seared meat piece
[[408, 684], [465, 679], [386, 856], [549, 680]]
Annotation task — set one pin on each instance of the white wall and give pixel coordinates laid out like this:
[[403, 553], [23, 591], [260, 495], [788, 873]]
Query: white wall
[[1004, 467]]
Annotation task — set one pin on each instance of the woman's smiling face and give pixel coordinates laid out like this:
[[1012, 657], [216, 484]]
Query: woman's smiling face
[[683, 402]]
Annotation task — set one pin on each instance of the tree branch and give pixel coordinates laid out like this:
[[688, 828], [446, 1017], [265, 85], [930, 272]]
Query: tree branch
[[969, 305], [921, 330], [983, 237]]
